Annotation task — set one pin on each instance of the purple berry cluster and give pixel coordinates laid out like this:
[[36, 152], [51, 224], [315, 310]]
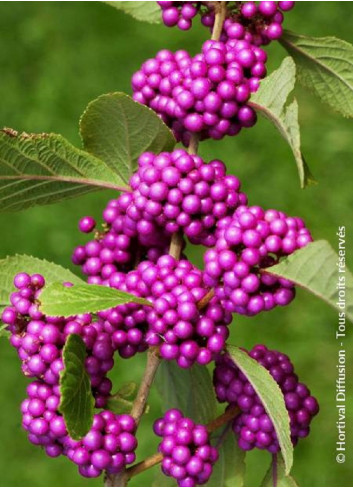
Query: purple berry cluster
[[41, 419], [39, 339], [180, 192], [187, 453], [249, 242], [175, 323], [109, 445], [256, 22], [179, 13], [206, 94], [252, 426], [123, 242]]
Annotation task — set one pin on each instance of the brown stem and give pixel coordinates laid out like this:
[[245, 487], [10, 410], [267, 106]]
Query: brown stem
[[193, 144], [138, 408], [176, 245], [205, 299], [157, 458], [145, 465], [221, 12], [230, 414]]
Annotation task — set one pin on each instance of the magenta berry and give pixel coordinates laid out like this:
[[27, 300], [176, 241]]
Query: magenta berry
[[87, 224]]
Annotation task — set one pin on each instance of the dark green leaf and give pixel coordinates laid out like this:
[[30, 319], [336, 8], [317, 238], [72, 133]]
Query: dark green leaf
[[117, 130], [77, 401], [271, 397], [12, 265], [145, 11], [40, 169], [58, 300], [272, 102], [325, 66], [190, 390], [229, 470], [315, 269], [276, 476]]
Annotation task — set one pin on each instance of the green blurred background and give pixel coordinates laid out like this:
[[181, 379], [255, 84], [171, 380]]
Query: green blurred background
[[55, 58]]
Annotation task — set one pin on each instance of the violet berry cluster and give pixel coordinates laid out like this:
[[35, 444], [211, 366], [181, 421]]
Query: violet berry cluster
[[187, 453], [109, 445], [206, 94], [252, 426], [179, 192], [248, 243], [258, 22], [174, 321], [179, 14]]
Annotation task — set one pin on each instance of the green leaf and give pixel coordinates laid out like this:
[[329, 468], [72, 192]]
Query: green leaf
[[276, 475], [229, 470], [325, 66], [315, 269], [12, 265], [40, 169], [190, 390], [271, 397], [58, 300], [77, 402], [271, 101], [145, 11], [118, 130]]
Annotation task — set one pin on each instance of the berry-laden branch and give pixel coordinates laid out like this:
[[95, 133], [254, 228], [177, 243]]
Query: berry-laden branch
[[158, 457]]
